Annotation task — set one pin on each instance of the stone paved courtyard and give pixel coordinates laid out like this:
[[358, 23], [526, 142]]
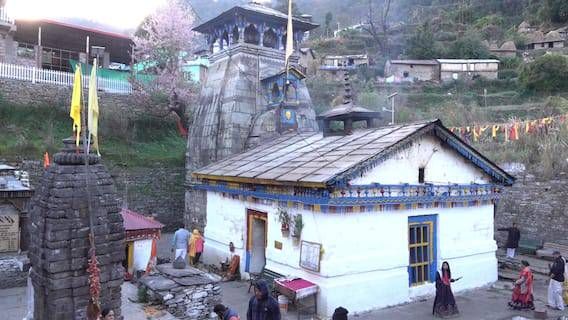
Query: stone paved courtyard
[[480, 304]]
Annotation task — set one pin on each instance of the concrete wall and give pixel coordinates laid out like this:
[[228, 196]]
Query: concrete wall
[[418, 72], [366, 253], [468, 70], [441, 164]]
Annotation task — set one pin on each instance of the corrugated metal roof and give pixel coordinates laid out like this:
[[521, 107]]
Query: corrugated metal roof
[[136, 221], [309, 158], [418, 62], [467, 60]]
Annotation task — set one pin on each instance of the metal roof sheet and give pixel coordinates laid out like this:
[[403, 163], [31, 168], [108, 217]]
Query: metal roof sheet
[[309, 157], [136, 221]]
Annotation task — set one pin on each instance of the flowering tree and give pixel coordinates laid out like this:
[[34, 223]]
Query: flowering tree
[[162, 45]]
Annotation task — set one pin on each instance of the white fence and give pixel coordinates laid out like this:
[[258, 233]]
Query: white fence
[[4, 17], [60, 78]]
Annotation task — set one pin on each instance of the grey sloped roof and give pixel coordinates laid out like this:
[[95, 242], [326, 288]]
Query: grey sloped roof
[[256, 10], [310, 159]]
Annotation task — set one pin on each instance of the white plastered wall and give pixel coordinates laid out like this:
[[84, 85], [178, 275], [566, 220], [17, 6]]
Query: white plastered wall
[[365, 260], [442, 166]]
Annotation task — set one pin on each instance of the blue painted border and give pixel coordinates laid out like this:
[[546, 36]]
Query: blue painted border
[[434, 265]]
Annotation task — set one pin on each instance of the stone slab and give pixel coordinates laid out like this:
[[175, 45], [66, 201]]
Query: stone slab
[[192, 281], [168, 269], [158, 282]]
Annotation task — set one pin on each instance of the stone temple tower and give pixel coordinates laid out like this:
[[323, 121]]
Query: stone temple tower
[[248, 97]]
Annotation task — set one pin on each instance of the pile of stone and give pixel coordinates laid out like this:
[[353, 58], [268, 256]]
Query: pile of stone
[[60, 228], [186, 293], [13, 273]]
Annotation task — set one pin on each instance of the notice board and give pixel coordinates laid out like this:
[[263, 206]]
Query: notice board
[[310, 255], [9, 231]]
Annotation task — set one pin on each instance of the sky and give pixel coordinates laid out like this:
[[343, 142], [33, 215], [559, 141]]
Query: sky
[[120, 14]]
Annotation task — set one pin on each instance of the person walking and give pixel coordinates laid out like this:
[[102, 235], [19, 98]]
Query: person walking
[[555, 300], [262, 306], [340, 314], [444, 303], [179, 243], [513, 237], [225, 313], [522, 298], [195, 247]]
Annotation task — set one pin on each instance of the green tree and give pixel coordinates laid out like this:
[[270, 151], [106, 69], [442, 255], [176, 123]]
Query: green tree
[[557, 10], [547, 74], [328, 19], [282, 6], [468, 47], [422, 45]]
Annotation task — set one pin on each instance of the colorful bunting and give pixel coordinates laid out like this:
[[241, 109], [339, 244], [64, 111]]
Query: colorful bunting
[[505, 132]]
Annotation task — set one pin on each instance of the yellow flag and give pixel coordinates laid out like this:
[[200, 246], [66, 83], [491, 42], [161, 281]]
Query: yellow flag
[[93, 114], [75, 112], [289, 35]]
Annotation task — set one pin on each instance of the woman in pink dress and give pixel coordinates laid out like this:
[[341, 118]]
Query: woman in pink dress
[[522, 298], [195, 247]]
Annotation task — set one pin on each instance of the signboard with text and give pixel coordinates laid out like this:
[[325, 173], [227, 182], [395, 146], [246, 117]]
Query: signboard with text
[[9, 232]]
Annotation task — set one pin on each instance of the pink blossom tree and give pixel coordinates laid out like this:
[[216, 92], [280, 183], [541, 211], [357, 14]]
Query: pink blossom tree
[[163, 44]]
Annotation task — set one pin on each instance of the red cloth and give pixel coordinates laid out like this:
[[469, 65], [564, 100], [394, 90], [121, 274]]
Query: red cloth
[[446, 279], [199, 244], [524, 296], [296, 284]]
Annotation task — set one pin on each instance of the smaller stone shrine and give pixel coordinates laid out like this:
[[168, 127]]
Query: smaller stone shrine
[[187, 293], [60, 227], [15, 195]]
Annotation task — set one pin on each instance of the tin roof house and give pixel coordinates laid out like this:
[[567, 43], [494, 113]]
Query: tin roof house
[[365, 209]]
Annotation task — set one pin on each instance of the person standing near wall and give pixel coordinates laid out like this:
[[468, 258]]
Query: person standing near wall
[[195, 247], [179, 243], [513, 237], [555, 300], [262, 306]]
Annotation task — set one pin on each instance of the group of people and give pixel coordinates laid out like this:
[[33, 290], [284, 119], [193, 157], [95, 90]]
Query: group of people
[[183, 242], [262, 306], [523, 297]]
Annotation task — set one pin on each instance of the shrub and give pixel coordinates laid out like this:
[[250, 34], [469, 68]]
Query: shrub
[[547, 74]]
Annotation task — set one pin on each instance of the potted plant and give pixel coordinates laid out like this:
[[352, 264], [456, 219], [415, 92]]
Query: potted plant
[[298, 226], [284, 219]]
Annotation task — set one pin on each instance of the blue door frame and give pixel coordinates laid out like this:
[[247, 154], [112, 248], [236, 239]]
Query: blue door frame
[[431, 222]]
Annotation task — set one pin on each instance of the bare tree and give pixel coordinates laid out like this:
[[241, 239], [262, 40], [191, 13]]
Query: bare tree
[[162, 45], [376, 23]]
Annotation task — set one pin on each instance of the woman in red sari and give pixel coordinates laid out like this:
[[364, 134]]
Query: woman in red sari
[[523, 292]]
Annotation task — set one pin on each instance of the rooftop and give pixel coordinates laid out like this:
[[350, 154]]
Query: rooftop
[[467, 60], [312, 160], [419, 62], [254, 9], [136, 221]]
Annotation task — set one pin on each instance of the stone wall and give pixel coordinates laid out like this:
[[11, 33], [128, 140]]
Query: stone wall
[[11, 274], [539, 208], [41, 94], [187, 293], [156, 191]]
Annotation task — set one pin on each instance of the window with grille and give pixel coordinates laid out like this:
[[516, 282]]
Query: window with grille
[[422, 251]]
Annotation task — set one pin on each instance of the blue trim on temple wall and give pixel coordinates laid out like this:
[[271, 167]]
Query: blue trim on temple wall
[[324, 198]]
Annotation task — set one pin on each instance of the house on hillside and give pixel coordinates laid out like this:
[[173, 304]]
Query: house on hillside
[[345, 61], [537, 40], [368, 215], [563, 32], [412, 70], [53, 45], [507, 49], [525, 27], [466, 69]]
